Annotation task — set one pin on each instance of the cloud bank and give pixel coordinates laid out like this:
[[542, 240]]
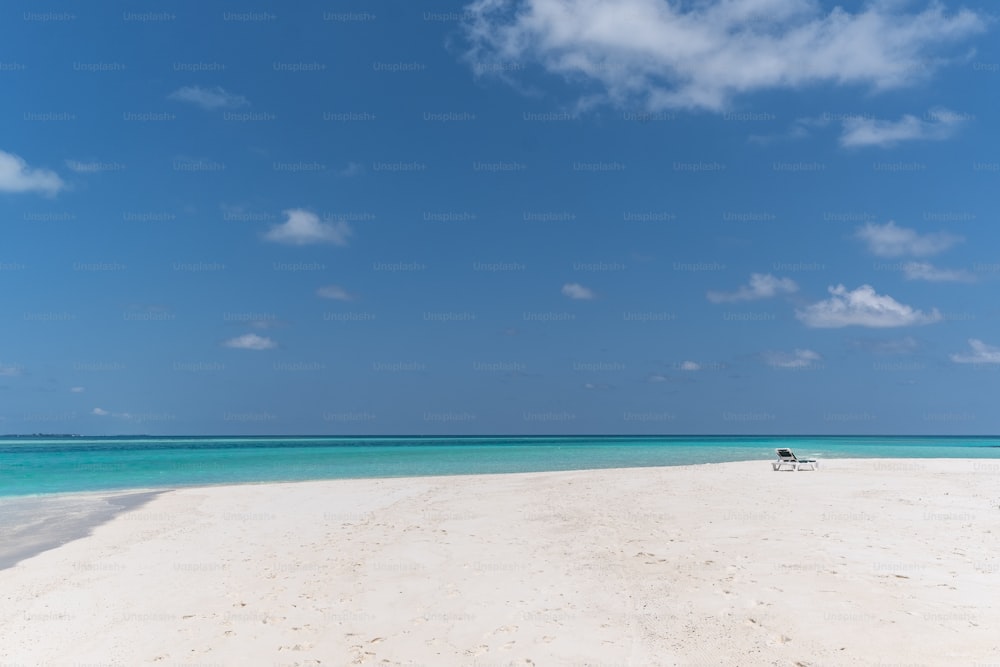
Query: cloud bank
[[662, 54], [930, 273], [864, 308], [890, 240], [859, 132]]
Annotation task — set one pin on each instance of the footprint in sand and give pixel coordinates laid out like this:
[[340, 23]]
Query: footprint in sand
[[360, 656]]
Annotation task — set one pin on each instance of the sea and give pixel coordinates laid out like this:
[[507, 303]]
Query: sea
[[33, 466]]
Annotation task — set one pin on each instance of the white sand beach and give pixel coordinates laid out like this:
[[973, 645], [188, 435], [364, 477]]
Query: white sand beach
[[863, 562]]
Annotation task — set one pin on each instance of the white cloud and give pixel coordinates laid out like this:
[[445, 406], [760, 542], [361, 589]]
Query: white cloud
[[981, 354], [940, 124], [100, 412], [657, 377], [798, 359], [7, 370], [762, 286], [209, 98], [864, 308], [577, 291], [250, 341], [303, 227], [929, 272], [690, 366], [334, 292], [888, 240], [17, 176], [667, 54], [77, 390]]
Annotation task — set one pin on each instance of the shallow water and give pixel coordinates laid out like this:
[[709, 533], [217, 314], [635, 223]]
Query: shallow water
[[58, 465]]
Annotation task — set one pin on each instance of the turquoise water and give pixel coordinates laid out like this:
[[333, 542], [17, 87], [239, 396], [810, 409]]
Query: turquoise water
[[58, 465]]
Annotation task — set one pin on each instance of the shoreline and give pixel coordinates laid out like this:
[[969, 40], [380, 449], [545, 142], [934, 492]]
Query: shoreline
[[865, 561], [172, 462], [35, 524]]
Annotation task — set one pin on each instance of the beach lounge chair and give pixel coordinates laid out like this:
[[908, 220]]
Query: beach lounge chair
[[786, 457]]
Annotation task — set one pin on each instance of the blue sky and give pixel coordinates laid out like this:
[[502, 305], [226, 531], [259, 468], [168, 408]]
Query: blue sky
[[537, 216]]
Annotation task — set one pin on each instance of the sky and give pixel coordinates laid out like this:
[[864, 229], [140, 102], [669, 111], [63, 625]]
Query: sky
[[499, 217]]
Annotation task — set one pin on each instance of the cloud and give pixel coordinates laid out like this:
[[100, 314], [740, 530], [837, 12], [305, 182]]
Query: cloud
[[981, 354], [798, 359], [303, 227], [77, 390], [698, 55], [690, 366], [250, 341], [657, 377], [17, 176], [888, 240], [9, 370], [334, 292], [927, 271], [577, 291], [863, 308], [762, 286], [940, 124], [100, 412], [209, 99]]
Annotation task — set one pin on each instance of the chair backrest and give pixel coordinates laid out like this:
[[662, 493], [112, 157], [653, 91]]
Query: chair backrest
[[786, 454]]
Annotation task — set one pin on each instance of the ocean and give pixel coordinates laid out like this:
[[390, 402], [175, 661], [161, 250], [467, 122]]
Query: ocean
[[40, 465]]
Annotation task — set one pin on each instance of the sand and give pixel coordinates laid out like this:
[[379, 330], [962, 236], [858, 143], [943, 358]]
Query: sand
[[864, 562]]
